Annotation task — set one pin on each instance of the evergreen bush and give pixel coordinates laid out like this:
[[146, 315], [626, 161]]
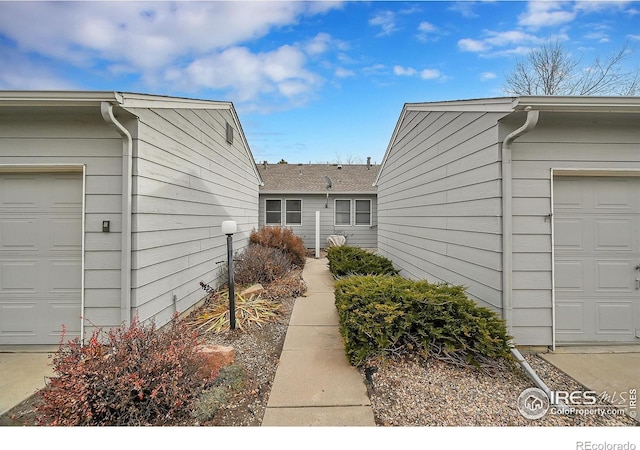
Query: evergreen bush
[[348, 260], [382, 315]]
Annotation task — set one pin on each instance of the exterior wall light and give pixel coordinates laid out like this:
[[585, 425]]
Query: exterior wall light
[[229, 227]]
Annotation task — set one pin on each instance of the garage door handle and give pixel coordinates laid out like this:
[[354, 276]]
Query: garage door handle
[[637, 283]]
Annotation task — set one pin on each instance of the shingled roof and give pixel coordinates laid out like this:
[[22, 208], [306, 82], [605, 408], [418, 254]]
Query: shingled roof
[[310, 178]]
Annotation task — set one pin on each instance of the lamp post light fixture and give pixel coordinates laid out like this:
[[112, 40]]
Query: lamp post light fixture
[[229, 227]]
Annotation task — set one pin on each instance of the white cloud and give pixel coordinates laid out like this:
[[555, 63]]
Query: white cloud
[[472, 45], [386, 20], [546, 13], [341, 72], [427, 27], [484, 76], [405, 72], [496, 42], [430, 74], [425, 74], [248, 75], [164, 41]]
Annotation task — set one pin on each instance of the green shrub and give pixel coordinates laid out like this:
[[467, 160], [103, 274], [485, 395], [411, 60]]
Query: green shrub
[[382, 315], [283, 239], [230, 379], [348, 260], [136, 375]]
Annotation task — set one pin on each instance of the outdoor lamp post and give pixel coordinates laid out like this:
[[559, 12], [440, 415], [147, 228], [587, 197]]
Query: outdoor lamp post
[[229, 227]]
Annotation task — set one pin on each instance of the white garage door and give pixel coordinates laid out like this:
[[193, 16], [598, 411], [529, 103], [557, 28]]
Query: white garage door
[[40, 257], [597, 259]]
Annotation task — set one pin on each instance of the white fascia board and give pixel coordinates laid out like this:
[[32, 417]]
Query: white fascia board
[[496, 104], [613, 104], [134, 100], [57, 98]]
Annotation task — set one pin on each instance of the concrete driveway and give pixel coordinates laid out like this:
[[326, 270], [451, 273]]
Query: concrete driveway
[[614, 370], [23, 371]]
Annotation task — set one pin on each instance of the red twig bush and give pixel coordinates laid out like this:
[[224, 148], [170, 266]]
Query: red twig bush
[[283, 239], [136, 375]]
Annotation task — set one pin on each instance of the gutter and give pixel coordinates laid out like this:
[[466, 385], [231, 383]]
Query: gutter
[[507, 215], [106, 109]]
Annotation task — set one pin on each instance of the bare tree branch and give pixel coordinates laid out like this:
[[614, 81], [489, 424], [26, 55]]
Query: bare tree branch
[[550, 70]]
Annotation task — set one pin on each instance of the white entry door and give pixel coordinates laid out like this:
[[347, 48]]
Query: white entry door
[[597, 259], [40, 257]]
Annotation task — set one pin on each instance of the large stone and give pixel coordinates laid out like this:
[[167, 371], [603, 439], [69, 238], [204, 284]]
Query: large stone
[[216, 356], [256, 289]]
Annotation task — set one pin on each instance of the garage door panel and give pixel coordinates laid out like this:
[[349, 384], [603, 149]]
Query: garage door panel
[[65, 276], [66, 234], [596, 252], [20, 276], [571, 315], [612, 194], [569, 275], [19, 192], [613, 276], [615, 317], [64, 194], [40, 256], [568, 195], [18, 318], [613, 235], [569, 233], [59, 319], [19, 234]]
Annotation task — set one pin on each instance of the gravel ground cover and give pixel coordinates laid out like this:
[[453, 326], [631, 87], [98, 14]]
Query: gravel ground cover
[[404, 392]]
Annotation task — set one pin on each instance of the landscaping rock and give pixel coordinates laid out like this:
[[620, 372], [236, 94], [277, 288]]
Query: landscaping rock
[[216, 356], [256, 289]]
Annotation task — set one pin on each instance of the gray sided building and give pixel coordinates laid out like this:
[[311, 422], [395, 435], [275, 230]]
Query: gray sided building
[[343, 195], [532, 203], [111, 205]]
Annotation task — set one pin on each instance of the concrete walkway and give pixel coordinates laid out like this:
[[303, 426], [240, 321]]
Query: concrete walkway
[[314, 384]]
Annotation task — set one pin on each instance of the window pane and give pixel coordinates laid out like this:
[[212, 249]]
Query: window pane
[[343, 212], [294, 212], [273, 208], [363, 212]]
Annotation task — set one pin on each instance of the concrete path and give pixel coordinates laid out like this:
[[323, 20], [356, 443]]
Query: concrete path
[[23, 372], [314, 384]]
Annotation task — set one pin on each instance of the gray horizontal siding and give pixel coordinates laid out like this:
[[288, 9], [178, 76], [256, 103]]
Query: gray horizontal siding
[[187, 180], [439, 202], [357, 235]]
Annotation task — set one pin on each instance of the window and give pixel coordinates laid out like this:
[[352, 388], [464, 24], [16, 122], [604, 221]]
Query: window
[[273, 212], [343, 212], [363, 212], [293, 212]]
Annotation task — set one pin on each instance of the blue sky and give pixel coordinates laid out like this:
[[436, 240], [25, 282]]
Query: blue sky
[[311, 81]]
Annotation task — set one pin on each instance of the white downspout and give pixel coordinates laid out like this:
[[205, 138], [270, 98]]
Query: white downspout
[[507, 216], [106, 109], [507, 248]]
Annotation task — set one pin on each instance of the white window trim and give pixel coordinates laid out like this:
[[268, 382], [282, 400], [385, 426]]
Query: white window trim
[[335, 211], [265, 212], [355, 224], [287, 224]]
